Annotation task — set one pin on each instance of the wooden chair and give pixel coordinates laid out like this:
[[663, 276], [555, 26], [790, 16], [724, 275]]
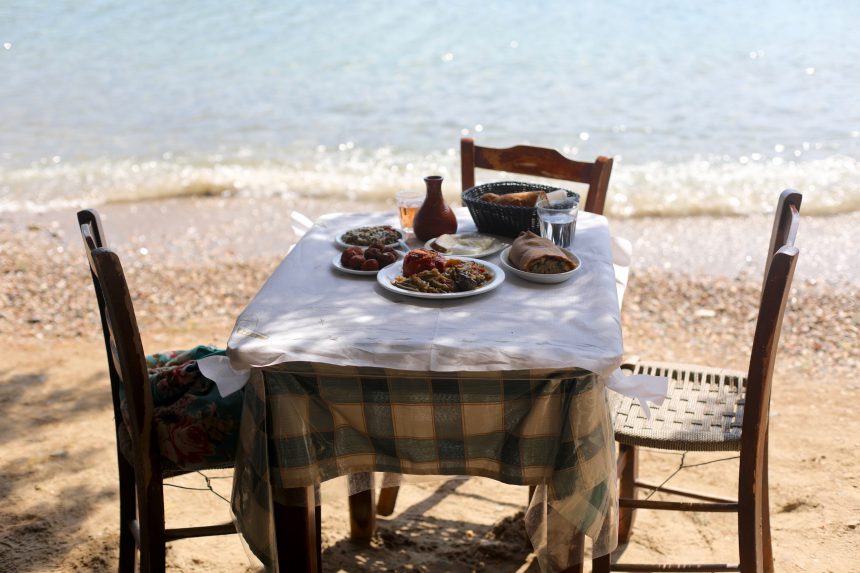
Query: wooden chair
[[539, 161], [711, 409], [141, 477]]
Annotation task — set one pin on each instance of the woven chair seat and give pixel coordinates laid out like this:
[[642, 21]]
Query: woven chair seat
[[703, 410]]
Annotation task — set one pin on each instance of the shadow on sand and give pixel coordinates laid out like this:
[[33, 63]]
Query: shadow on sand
[[39, 522], [415, 541]]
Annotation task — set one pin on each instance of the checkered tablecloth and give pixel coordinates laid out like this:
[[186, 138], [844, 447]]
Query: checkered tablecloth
[[305, 423]]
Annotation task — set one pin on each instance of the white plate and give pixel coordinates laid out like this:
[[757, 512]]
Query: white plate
[[389, 273], [337, 264], [497, 246], [343, 245], [538, 277]]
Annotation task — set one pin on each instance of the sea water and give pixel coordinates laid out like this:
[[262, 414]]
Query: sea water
[[707, 107]]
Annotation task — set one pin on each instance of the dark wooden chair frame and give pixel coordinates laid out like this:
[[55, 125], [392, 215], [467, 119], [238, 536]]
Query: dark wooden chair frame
[[540, 162], [141, 480], [752, 503]]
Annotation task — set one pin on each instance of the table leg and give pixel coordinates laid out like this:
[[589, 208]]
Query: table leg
[[362, 514], [560, 534], [387, 500], [577, 554], [297, 541]]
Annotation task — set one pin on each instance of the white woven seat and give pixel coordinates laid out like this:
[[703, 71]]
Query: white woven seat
[[703, 410]]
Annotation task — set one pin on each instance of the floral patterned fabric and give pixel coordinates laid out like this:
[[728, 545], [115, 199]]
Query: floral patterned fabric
[[196, 427]]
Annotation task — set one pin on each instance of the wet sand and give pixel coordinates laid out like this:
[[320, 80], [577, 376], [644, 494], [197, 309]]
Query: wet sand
[[193, 265]]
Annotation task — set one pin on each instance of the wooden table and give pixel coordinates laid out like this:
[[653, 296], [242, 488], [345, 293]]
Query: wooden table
[[324, 402]]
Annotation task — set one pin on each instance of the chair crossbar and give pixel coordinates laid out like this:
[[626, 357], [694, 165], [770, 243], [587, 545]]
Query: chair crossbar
[[627, 502], [201, 531], [683, 492], [639, 567], [186, 532]]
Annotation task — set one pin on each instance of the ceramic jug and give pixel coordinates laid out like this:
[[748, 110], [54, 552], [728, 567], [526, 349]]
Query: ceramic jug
[[435, 217]]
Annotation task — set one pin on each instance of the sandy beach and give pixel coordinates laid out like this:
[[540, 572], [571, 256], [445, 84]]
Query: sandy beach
[[193, 264]]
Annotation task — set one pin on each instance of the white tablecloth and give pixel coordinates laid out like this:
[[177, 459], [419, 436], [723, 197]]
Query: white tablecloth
[[309, 311]]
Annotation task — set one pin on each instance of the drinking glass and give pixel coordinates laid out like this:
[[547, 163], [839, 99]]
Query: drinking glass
[[558, 220], [408, 203]]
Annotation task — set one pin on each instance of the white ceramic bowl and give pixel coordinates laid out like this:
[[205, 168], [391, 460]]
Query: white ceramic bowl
[[539, 277]]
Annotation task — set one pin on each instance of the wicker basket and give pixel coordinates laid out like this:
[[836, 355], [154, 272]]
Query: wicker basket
[[505, 220]]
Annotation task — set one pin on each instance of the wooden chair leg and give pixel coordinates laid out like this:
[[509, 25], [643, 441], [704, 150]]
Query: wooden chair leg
[[127, 514], [766, 544], [318, 515], [629, 458], [150, 510], [749, 539], [750, 521], [296, 533], [601, 564], [362, 514], [387, 500]]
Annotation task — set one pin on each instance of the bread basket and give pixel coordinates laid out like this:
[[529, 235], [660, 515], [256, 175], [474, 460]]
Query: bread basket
[[505, 220]]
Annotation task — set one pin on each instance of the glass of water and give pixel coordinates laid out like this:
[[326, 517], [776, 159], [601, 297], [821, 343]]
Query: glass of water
[[558, 220]]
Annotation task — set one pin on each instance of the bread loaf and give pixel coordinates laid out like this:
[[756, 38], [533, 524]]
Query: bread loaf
[[522, 199], [535, 254]]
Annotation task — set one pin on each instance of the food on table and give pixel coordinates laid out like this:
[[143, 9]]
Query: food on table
[[557, 196], [466, 245], [419, 260], [364, 236], [535, 254], [522, 199], [454, 276], [373, 258]]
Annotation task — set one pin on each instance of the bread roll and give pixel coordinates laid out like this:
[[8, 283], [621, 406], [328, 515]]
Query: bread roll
[[535, 254], [522, 199]]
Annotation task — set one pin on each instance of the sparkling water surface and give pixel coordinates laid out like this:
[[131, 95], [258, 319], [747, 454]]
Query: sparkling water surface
[[708, 108]]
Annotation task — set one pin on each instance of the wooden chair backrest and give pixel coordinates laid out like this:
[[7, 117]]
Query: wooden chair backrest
[[541, 162], [779, 271], [126, 358], [786, 220], [93, 237]]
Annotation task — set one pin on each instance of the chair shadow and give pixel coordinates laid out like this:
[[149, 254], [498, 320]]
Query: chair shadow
[[41, 537], [40, 527], [415, 541], [27, 390]]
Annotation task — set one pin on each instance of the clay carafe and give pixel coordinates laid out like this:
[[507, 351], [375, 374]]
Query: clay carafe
[[435, 217]]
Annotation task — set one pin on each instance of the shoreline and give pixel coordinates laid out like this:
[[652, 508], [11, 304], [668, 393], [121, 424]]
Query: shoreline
[[193, 231]]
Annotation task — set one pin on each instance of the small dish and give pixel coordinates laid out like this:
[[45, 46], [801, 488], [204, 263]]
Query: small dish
[[392, 271], [344, 245], [335, 262], [538, 277], [496, 246]]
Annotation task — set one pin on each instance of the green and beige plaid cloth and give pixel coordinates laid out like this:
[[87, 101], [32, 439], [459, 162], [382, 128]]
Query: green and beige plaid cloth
[[306, 423]]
